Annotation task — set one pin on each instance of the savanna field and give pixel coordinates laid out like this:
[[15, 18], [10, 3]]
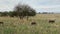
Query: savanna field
[[13, 25]]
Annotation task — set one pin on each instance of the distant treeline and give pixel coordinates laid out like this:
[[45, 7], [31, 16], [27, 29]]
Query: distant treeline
[[15, 14], [6, 13], [46, 13], [12, 13]]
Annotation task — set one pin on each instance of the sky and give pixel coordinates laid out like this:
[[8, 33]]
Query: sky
[[38, 5]]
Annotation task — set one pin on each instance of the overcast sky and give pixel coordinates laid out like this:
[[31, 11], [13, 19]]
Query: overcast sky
[[38, 5]]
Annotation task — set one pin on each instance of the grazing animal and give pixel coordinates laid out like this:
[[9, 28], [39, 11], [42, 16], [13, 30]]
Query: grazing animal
[[33, 23], [1, 22], [51, 21]]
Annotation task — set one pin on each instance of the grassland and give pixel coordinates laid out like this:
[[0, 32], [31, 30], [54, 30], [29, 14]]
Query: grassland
[[17, 26]]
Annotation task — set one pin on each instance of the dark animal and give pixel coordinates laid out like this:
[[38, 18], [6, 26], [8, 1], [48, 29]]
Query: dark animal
[[51, 21], [1, 22], [33, 23]]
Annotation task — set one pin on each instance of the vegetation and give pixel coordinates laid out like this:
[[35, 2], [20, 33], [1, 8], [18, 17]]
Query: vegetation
[[24, 11], [15, 26], [20, 11]]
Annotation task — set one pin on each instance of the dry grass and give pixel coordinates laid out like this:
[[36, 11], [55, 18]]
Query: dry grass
[[16, 26]]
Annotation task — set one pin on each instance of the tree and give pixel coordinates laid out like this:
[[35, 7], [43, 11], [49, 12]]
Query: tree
[[12, 13], [4, 13], [23, 10], [45, 13]]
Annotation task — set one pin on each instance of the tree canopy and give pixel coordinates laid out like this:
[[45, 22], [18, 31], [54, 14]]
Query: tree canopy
[[23, 10]]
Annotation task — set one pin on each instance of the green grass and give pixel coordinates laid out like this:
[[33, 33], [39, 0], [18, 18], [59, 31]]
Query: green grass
[[16, 26]]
